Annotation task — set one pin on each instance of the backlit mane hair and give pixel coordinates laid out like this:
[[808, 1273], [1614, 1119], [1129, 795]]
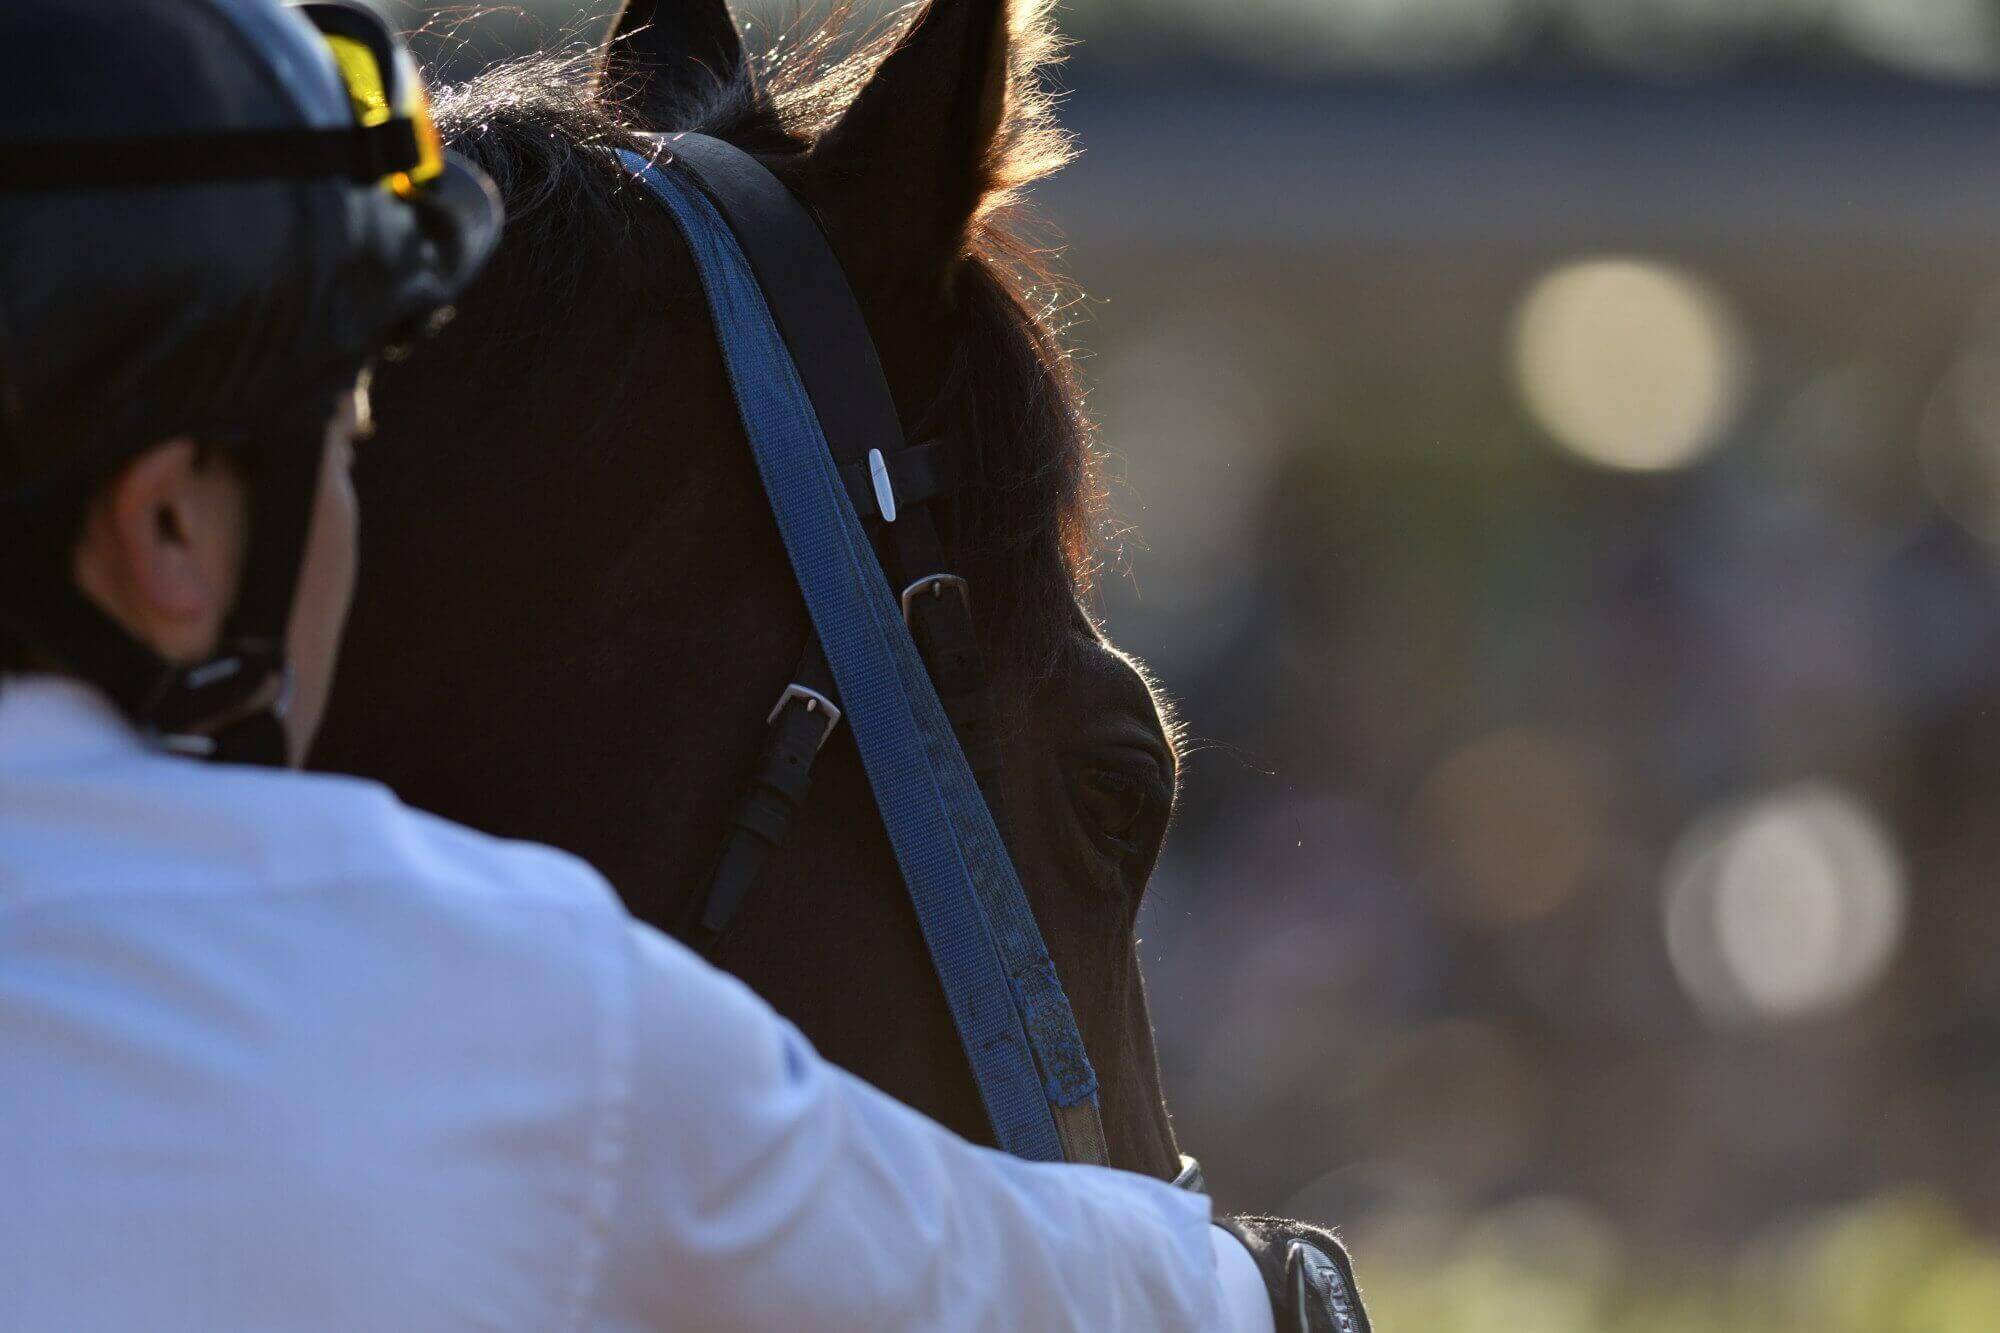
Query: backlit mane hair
[[538, 124]]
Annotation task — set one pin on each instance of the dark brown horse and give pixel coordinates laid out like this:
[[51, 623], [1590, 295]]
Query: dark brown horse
[[576, 611]]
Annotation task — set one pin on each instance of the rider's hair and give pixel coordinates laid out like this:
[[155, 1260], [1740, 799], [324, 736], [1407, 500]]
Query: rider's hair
[[60, 520]]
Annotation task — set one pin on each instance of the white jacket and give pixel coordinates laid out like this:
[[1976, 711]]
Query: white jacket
[[277, 1052]]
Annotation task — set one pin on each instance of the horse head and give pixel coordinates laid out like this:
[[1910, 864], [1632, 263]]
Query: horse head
[[576, 612]]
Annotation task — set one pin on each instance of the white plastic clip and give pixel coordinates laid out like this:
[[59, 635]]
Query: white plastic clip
[[885, 494]]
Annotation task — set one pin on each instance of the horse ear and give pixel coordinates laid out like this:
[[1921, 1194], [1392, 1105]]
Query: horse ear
[[663, 56], [917, 146]]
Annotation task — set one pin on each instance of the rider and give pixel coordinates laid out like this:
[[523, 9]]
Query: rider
[[276, 1051]]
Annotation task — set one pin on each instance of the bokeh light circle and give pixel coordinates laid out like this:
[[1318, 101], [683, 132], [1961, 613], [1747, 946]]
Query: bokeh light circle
[[1785, 907], [1510, 827], [1628, 363]]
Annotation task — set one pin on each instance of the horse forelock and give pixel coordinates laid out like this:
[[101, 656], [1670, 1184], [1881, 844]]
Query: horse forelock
[[539, 124]]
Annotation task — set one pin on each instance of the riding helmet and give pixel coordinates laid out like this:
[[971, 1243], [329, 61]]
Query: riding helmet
[[213, 213]]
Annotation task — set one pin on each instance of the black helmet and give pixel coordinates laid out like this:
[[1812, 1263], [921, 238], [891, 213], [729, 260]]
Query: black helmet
[[212, 214]]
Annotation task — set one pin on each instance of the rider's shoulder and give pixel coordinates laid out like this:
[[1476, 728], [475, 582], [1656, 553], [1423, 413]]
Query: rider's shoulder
[[86, 808], [355, 833], [454, 860]]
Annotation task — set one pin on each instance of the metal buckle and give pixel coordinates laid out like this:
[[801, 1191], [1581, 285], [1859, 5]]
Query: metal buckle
[[815, 702], [197, 745], [235, 677], [936, 584]]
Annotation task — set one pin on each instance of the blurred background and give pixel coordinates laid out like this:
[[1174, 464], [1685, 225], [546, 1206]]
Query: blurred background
[[1557, 450]]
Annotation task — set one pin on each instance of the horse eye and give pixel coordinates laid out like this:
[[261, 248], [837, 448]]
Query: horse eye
[[1113, 801]]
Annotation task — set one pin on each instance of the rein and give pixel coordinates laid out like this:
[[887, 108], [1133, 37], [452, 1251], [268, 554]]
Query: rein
[[823, 427]]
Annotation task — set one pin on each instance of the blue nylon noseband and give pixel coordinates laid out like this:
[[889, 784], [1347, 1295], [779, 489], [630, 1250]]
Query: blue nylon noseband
[[1016, 1025]]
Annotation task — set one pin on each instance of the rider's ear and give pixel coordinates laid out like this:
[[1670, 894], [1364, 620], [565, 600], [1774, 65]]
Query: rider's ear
[[911, 161], [664, 56], [160, 543]]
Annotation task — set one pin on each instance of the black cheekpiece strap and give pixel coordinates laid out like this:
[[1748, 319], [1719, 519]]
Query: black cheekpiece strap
[[764, 815]]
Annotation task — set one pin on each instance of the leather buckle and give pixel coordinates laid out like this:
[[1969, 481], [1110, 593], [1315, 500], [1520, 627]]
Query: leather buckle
[[815, 702]]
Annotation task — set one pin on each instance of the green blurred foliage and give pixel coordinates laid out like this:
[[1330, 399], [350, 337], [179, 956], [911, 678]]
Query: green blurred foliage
[[1900, 1263]]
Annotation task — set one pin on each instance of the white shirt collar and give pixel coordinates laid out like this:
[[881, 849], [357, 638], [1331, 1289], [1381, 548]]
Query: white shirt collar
[[47, 718]]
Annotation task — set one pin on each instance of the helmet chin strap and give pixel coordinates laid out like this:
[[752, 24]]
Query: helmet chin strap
[[230, 706]]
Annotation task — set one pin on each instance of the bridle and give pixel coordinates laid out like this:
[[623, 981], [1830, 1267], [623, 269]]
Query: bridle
[[892, 635], [892, 647], [893, 485]]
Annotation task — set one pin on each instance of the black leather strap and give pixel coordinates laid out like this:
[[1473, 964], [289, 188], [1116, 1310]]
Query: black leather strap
[[808, 294], [770, 804], [934, 470]]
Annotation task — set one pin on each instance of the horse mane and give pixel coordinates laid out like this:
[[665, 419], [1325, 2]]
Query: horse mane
[[538, 125]]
